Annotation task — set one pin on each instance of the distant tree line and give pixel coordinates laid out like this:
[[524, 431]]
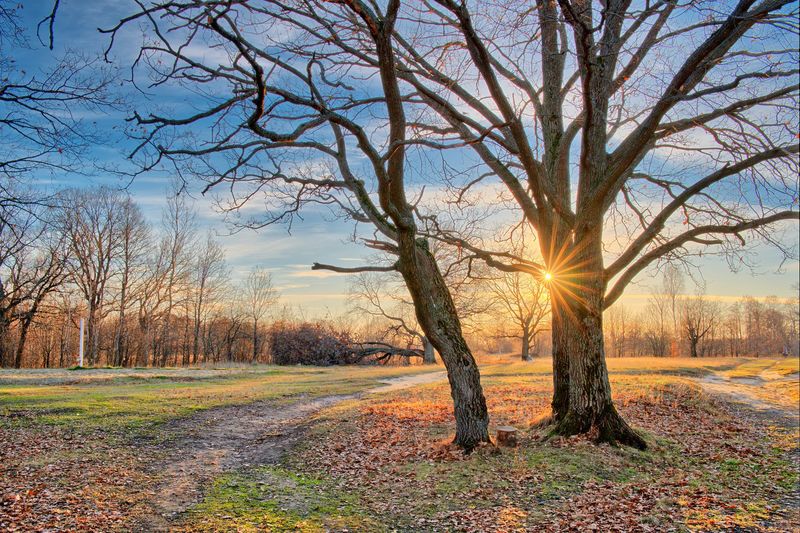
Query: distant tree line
[[150, 294], [677, 324]]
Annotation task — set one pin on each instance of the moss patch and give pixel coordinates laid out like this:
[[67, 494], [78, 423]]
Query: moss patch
[[275, 499]]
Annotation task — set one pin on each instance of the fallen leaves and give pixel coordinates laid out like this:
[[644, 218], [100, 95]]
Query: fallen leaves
[[709, 468]]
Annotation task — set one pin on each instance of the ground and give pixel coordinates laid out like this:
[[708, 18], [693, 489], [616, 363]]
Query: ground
[[367, 449]]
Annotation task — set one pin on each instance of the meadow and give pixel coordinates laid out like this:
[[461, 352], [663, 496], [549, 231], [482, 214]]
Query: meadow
[[333, 449]]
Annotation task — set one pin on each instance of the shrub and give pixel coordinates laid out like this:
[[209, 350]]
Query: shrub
[[310, 344]]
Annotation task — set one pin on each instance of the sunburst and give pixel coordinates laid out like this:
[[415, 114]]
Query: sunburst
[[564, 274]]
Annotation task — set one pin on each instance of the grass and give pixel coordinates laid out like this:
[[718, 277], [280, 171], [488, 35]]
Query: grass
[[129, 399], [385, 462], [787, 366], [750, 369], [275, 499], [708, 467]]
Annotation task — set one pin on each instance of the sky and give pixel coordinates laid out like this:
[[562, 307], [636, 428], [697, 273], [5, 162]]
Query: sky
[[318, 236]]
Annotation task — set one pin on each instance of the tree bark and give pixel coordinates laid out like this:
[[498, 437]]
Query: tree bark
[[92, 337], [429, 357], [437, 316], [5, 341], [581, 335], [255, 341], [561, 349], [556, 241], [693, 347], [526, 345]]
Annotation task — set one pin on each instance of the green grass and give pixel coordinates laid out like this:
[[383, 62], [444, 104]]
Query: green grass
[[130, 400], [750, 369], [275, 499]]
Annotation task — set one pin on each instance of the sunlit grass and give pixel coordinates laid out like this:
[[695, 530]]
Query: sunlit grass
[[688, 366], [750, 369], [787, 366], [707, 467], [127, 400]]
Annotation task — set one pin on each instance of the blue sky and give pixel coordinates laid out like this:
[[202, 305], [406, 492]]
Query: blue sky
[[318, 236]]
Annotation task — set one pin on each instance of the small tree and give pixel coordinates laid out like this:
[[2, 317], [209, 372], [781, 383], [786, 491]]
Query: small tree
[[698, 317], [32, 267], [92, 222], [131, 264], [258, 297], [524, 299]]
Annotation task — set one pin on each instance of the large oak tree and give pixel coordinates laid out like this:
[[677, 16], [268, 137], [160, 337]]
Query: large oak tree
[[627, 133]]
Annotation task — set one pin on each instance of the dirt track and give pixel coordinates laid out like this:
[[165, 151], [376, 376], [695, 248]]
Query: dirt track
[[745, 391], [225, 439]]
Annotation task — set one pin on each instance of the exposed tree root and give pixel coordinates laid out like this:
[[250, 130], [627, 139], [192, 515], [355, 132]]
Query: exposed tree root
[[608, 425], [473, 439]]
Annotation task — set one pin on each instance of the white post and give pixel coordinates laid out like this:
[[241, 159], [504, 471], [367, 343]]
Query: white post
[[80, 349]]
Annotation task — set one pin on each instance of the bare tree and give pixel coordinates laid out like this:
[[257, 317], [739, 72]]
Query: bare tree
[[31, 269], [301, 102], [209, 279], [523, 89], [657, 324], [616, 84], [134, 248], [523, 298], [616, 323], [41, 128], [734, 329], [258, 296], [92, 223], [698, 316], [178, 239], [673, 286]]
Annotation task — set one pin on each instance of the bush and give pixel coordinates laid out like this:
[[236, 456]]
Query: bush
[[310, 344]]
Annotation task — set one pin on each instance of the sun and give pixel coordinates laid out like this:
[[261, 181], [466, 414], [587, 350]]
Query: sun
[[548, 276]]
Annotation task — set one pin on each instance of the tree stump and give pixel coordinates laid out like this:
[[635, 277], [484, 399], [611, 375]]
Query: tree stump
[[507, 436]]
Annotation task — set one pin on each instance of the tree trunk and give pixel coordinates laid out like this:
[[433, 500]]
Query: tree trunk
[[91, 337], [581, 333], [551, 247], [5, 341], [437, 316], [255, 341], [693, 347], [429, 357], [24, 326], [561, 350], [526, 344], [196, 339]]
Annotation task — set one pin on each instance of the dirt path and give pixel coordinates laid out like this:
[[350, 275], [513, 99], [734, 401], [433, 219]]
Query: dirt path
[[221, 440], [747, 392]]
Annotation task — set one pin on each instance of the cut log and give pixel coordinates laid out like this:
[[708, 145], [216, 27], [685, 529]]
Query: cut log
[[507, 436]]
